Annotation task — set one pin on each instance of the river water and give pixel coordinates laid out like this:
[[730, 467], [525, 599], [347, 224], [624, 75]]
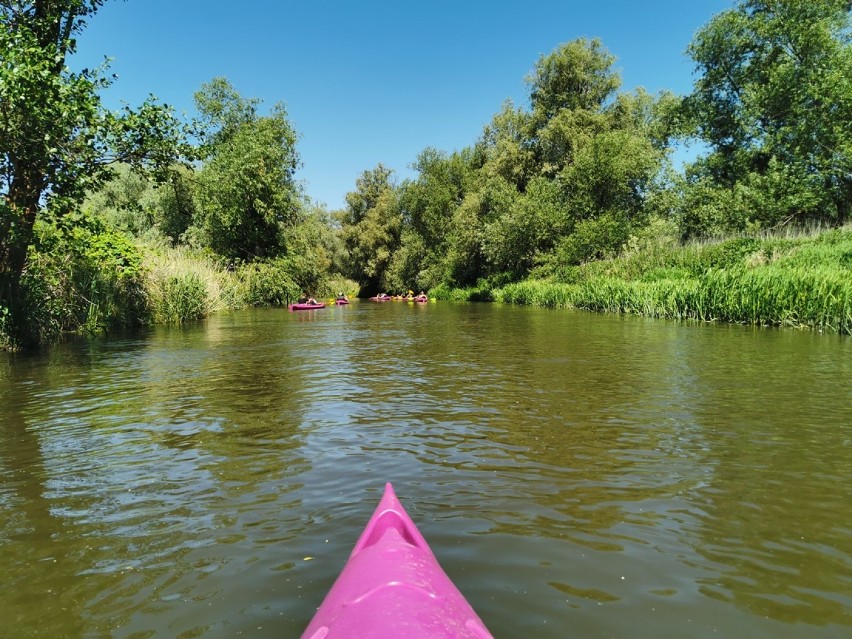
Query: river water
[[577, 475]]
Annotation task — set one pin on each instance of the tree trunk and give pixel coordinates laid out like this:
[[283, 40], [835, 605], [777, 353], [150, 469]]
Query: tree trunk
[[22, 202]]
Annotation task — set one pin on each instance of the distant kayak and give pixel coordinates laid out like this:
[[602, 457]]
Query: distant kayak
[[306, 307], [341, 302], [393, 586], [421, 299], [381, 298]]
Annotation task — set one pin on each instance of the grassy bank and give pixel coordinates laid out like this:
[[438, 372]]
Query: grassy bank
[[100, 281], [799, 280]]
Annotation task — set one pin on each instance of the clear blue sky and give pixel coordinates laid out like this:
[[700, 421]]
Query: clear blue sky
[[369, 81]]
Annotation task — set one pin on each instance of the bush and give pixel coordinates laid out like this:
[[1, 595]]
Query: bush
[[593, 239], [79, 276], [176, 299], [268, 283]]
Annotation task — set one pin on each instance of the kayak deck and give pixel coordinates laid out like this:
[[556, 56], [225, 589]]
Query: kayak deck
[[393, 586]]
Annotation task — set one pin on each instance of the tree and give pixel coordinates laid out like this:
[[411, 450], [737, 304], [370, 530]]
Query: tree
[[247, 196], [427, 205], [507, 146], [370, 228], [578, 75], [56, 139], [774, 102]]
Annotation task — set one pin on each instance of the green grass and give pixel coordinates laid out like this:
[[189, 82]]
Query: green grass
[[798, 280], [181, 286]]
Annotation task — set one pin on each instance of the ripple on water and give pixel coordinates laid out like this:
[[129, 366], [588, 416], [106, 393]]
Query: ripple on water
[[596, 473]]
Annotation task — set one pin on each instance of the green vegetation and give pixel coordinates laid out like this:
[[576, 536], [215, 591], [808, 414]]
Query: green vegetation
[[116, 219], [121, 218], [775, 280], [575, 202]]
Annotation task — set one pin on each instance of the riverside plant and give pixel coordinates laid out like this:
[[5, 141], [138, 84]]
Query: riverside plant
[[798, 280], [182, 286]]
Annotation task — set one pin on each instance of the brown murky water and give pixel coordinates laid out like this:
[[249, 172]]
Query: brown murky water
[[577, 475]]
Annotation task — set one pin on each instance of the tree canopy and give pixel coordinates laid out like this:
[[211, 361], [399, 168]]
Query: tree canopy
[[774, 101], [56, 139], [246, 193]]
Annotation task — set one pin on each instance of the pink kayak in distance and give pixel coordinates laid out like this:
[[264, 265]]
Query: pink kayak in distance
[[393, 586], [306, 307]]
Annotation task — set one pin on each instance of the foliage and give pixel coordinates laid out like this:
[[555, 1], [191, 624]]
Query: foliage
[[246, 194], [128, 202], [178, 299], [223, 289], [593, 239], [578, 177], [583, 160], [175, 208], [773, 102], [56, 140], [269, 282], [371, 226], [80, 276], [577, 76], [774, 280]]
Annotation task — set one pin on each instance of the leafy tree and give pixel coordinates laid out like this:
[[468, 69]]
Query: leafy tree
[[525, 229], [175, 207], [504, 206], [127, 202], [223, 111], [774, 102], [578, 75], [371, 226], [247, 197], [427, 204], [596, 153], [134, 203], [56, 139], [314, 248], [507, 146]]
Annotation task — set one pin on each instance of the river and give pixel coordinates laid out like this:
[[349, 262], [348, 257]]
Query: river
[[577, 475]]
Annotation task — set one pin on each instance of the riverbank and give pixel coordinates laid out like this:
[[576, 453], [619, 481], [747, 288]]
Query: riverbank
[[798, 279], [99, 281]]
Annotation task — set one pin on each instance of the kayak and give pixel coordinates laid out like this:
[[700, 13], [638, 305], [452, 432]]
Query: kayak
[[420, 299], [306, 307], [393, 586], [341, 302], [379, 298]]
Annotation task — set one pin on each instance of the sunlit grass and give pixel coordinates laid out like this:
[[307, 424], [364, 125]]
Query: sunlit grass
[[800, 280], [181, 286]]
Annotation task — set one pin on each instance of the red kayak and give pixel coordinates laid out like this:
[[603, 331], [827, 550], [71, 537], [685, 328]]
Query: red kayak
[[393, 586], [381, 298], [341, 302], [306, 307]]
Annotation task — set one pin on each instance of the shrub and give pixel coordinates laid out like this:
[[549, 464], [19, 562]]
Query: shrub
[[176, 299], [268, 283]]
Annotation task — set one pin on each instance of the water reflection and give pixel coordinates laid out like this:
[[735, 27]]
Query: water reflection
[[210, 480]]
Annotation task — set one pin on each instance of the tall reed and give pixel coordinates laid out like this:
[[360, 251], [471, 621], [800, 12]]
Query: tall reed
[[801, 280], [183, 286]]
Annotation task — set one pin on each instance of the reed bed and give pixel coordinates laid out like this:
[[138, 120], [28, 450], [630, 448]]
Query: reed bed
[[183, 286], [800, 280]]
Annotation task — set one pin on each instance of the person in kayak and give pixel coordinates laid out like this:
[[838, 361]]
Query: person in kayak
[[305, 299], [341, 297]]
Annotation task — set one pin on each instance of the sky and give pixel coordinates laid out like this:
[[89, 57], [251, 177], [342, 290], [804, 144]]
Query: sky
[[377, 81]]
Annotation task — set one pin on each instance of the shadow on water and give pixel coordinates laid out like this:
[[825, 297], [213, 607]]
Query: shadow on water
[[601, 475]]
